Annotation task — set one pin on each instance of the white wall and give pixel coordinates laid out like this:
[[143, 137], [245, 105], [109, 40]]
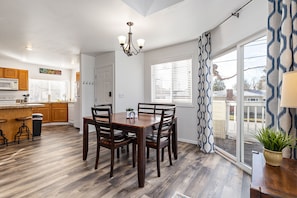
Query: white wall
[[129, 83], [187, 118], [251, 21], [128, 78], [33, 73], [87, 66]]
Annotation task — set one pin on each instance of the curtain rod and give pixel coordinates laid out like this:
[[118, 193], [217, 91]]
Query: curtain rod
[[236, 13]]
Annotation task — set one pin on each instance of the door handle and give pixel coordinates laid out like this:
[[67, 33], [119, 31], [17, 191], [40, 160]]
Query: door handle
[[109, 94]]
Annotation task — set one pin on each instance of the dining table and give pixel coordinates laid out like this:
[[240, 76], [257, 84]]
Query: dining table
[[141, 125]]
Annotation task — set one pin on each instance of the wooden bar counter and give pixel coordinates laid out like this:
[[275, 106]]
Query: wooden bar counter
[[12, 111]]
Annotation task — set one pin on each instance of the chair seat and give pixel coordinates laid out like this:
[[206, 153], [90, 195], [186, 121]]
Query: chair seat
[[118, 135], [23, 118], [154, 138], [117, 143]]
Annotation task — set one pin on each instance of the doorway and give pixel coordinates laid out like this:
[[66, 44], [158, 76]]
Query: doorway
[[239, 100], [104, 85]]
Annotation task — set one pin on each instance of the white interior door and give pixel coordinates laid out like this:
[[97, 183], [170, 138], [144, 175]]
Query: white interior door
[[104, 85]]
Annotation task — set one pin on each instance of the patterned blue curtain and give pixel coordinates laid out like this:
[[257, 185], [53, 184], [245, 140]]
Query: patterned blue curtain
[[282, 57], [204, 100]]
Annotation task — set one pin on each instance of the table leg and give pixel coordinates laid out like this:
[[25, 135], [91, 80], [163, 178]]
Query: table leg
[[85, 139], [174, 139], [141, 160]]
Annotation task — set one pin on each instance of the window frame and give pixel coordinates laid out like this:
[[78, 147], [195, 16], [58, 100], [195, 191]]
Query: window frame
[[169, 60], [239, 158], [49, 81]]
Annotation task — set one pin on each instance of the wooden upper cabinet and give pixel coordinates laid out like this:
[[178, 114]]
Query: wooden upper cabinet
[[1, 72], [23, 79], [10, 73], [77, 76]]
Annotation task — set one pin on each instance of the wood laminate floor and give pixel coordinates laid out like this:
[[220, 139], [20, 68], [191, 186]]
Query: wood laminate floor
[[52, 166]]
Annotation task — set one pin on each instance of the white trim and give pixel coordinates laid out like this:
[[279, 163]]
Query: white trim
[[187, 141]]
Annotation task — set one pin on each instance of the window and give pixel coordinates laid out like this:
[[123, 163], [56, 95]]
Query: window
[[48, 90], [172, 82]]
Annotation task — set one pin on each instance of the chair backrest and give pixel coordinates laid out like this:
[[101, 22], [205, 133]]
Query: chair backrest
[[104, 105], [166, 123], [146, 108], [153, 108], [102, 117]]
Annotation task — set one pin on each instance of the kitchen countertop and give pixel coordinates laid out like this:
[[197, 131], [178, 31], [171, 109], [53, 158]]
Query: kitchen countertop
[[20, 106], [50, 102]]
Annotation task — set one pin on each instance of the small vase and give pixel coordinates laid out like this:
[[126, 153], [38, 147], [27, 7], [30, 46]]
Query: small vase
[[273, 158]]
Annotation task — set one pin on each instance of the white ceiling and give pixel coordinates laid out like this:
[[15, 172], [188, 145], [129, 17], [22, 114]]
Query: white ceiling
[[59, 30]]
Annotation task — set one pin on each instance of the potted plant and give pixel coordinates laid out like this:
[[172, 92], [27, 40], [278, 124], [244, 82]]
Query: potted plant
[[274, 142]]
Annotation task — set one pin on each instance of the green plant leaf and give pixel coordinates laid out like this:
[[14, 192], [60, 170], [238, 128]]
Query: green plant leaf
[[274, 140]]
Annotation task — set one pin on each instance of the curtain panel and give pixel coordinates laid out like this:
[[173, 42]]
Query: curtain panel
[[204, 100], [281, 58]]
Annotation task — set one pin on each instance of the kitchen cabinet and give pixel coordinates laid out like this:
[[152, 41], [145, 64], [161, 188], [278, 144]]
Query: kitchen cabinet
[[77, 76], [59, 112], [53, 112], [71, 113], [10, 73], [23, 80], [45, 111], [1, 72]]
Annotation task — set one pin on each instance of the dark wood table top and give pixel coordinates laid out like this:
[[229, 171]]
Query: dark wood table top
[[274, 181], [142, 121]]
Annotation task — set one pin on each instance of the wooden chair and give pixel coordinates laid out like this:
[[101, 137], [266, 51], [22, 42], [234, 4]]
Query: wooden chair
[[146, 108], [2, 136], [153, 108], [110, 106], [156, 109], [104, 105], [106, 135], [161, 138]]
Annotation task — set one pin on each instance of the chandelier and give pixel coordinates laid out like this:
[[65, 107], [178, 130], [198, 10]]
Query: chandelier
[[128, 46]]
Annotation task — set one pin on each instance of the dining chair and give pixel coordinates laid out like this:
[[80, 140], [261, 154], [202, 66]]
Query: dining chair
[[108, 105], [161, 138], [104, 105], [156, 109], [153, 108], [145, 108], [106, 136]]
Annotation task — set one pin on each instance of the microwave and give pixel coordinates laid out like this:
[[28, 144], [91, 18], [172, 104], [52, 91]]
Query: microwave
[[9, 84]]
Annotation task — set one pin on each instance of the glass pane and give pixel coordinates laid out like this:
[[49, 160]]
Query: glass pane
[[38, 90], [45, 90], [224, 101], [172, 82], [161, 80], [254, 95], [58, 90]]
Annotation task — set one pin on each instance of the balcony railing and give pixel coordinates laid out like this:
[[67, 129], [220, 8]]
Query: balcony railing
[[224, 117]]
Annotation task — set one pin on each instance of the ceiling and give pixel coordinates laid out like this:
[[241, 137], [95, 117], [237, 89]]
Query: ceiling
[[59, 30]]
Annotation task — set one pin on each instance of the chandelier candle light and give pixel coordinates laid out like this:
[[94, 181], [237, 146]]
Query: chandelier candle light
[[128, 46]]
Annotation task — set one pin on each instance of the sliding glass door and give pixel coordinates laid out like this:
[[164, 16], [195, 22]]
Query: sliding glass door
[[239, 99], [224, 102]]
